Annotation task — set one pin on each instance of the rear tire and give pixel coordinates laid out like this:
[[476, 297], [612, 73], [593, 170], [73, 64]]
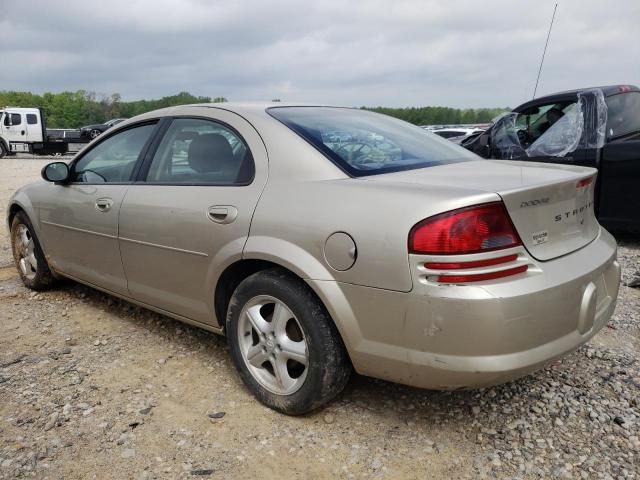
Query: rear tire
[[94, 133], [284, 343], [28, 256]]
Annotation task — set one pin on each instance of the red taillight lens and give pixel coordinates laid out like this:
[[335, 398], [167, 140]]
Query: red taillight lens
[[480, 228], [480, 277], [489, 262], [584, 182]]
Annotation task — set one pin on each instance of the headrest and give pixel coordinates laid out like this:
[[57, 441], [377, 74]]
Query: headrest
[[210, 152]]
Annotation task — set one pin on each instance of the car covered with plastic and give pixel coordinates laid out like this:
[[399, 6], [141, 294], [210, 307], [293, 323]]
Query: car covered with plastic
[[594, 127]]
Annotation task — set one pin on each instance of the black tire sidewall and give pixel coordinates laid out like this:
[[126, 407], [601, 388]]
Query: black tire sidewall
[[3, 150], [312, 317]]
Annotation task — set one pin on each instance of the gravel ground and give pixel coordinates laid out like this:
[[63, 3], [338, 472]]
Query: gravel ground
[[93, 387]]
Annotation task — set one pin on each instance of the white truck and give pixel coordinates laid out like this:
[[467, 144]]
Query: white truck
[[23, 130]]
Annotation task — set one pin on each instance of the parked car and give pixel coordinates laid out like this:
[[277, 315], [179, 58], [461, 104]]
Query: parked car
[[450, 133], [595, 127], [92, 131], [411, 260], [458, 135]]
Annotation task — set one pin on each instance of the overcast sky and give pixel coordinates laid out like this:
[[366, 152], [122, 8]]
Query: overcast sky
[[394, 53]]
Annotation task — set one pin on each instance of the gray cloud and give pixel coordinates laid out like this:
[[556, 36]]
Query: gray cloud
[[424, 52]]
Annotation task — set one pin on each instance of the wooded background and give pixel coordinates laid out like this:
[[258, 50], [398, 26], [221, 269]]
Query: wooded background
[[76, 109]]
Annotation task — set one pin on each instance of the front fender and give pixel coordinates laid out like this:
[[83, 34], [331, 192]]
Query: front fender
[[20, 201]]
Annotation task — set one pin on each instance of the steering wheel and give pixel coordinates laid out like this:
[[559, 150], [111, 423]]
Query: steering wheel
[[87, 174], [356, 153]]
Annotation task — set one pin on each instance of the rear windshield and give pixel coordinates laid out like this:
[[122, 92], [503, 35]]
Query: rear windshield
[[623, 115], [366, 143]]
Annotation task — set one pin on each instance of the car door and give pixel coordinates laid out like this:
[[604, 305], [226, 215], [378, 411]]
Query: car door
[[33, 127], [620, 162], [620, 170], [188, 216], [79, 219], [14, 127]]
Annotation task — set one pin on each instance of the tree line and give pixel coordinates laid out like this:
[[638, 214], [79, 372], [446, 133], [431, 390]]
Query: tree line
[[441, 115], [75, 109]]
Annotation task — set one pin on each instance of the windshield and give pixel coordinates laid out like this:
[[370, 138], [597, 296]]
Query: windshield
[[366, 143]]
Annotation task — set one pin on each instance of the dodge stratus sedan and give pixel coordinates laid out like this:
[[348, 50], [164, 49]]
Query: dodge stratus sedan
[[322, 240]]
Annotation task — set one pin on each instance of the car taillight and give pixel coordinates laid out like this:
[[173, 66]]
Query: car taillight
[[480, 277], [584, 182], [476, 229], [489, 262]]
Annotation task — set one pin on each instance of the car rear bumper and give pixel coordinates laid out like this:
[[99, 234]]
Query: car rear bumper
[[466, 336]]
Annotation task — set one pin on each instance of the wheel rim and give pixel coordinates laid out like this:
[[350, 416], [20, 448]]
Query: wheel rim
[[94, 133], [273, 345], [26, 252]]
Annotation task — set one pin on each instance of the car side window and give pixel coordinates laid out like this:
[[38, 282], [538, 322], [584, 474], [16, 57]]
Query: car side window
[[113, 159], [32, 119], [16, 119], [197, 151], [535, 122]]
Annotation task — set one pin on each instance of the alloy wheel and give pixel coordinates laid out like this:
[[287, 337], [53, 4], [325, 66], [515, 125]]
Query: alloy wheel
[[273, 345], [25, 246]]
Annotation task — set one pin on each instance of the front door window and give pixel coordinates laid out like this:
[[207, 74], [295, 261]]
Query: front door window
[[113, 159]]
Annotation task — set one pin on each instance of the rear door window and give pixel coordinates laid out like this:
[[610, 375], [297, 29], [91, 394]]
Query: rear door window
[[201, 152]]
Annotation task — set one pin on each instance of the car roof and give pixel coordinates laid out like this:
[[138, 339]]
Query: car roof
[[254, 107], [570, 95], [247, 110]]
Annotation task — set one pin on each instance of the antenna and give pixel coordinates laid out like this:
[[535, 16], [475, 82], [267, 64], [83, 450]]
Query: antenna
[[545, 50]]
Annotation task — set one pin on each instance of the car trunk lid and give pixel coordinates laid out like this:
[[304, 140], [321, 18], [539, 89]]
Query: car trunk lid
[[551, 206], [555, 219]]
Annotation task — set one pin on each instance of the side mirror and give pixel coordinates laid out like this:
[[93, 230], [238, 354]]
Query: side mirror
[[56, 172]]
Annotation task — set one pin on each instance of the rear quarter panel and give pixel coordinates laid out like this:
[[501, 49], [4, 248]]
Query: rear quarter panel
[[307, 198], [294, 219]]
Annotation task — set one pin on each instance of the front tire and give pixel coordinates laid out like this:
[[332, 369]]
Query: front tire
[[3, 150], [28, 256], [284, 344]]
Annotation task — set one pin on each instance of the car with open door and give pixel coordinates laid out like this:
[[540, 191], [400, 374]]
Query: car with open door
[[321, 240]]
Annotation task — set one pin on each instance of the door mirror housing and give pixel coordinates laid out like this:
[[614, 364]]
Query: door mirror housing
[[56, 172]]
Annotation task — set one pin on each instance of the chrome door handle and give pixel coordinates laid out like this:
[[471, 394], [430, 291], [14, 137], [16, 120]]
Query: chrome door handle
[[104, 204], [222, 213]]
